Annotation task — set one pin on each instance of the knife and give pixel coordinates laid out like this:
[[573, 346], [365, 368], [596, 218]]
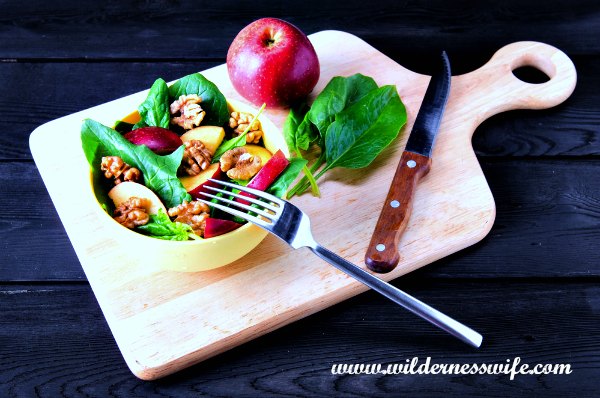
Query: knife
[[382, 254]]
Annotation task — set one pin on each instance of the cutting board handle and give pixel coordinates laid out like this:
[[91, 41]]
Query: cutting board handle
[[509, 91]]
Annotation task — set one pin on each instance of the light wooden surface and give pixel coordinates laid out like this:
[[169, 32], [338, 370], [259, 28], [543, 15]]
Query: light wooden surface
[[164, 321]]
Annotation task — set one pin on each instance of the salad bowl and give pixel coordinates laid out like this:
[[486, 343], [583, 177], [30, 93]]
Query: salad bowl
[[198, 254]]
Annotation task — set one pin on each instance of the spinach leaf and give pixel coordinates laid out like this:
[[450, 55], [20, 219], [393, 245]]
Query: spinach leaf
[[214, 212], [234, 142], [159, 172], [362, 131], [298, 130], [290, 128], [154, 111], [340, 93], [356, 122], [307, 132], [213, 101], [160, 226], [240, 182], [299, 133], [281, 184]]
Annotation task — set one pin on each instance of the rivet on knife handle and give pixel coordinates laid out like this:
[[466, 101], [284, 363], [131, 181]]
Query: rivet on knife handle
[[382, 253]]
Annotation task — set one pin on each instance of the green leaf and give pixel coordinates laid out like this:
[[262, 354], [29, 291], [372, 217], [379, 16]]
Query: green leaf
[[290, 127], [240, 182], [154, 111], [358, 86], [362, 131], [339, 94], [214, 212], [355, 120], [298, 130], [227, 145], [236, 141], [160, 226], [307, 133], [213, 101], [281, 184], [159, 172]]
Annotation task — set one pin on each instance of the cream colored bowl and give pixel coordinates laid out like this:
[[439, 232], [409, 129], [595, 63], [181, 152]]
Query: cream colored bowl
[[205, 254]]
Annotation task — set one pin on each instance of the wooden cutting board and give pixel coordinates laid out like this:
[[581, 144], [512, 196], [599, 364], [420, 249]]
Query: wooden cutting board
[[164, 321]]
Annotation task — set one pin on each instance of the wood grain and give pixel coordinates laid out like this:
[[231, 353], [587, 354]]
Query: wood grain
[[570, 129], [55, 343], [456, 207], [169, 29]]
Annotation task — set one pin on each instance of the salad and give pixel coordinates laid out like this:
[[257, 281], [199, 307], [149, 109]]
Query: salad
[[149, 169]]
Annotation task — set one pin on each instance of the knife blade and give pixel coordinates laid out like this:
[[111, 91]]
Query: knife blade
[[382, 253]]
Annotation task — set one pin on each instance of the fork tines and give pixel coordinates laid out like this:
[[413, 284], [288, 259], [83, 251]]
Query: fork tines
[[267, 210]]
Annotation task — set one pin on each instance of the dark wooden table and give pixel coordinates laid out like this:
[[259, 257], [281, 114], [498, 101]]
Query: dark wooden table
[[531, 287]]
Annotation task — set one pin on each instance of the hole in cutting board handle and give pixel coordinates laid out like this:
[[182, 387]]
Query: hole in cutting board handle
[[530, 74]]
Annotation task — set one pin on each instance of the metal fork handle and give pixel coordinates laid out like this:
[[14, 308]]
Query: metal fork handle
[[412, 304]]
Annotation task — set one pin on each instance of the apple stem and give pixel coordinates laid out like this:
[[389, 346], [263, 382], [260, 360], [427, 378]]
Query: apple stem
[[272, 37]]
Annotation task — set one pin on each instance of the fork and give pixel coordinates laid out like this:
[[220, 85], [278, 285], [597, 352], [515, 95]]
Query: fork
[[292, 225]]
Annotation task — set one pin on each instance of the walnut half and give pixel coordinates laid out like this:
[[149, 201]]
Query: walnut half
[[192, 213], [239, 122], [190, 112], [239, 164], [196, 157], [115, 167], [133, 212]]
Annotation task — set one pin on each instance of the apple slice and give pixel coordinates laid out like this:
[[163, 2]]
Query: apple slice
[[268, 174], [211, 136], [158, 139], [260, 151], [216, 226], [194, 185], [122, 192]]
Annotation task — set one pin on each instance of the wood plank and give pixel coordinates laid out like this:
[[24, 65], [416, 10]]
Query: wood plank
[[47, 91], [571, 129], [34, 243], [70, 29], [546, 222], [547, 213], [55, 343]]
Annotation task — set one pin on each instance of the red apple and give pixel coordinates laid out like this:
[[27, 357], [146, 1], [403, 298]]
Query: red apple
[[160, 140], [216, 226], [194, 185], [268, 174], [271, 61]]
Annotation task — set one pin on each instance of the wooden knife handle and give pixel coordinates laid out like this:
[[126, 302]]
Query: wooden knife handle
[[382, 253]]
